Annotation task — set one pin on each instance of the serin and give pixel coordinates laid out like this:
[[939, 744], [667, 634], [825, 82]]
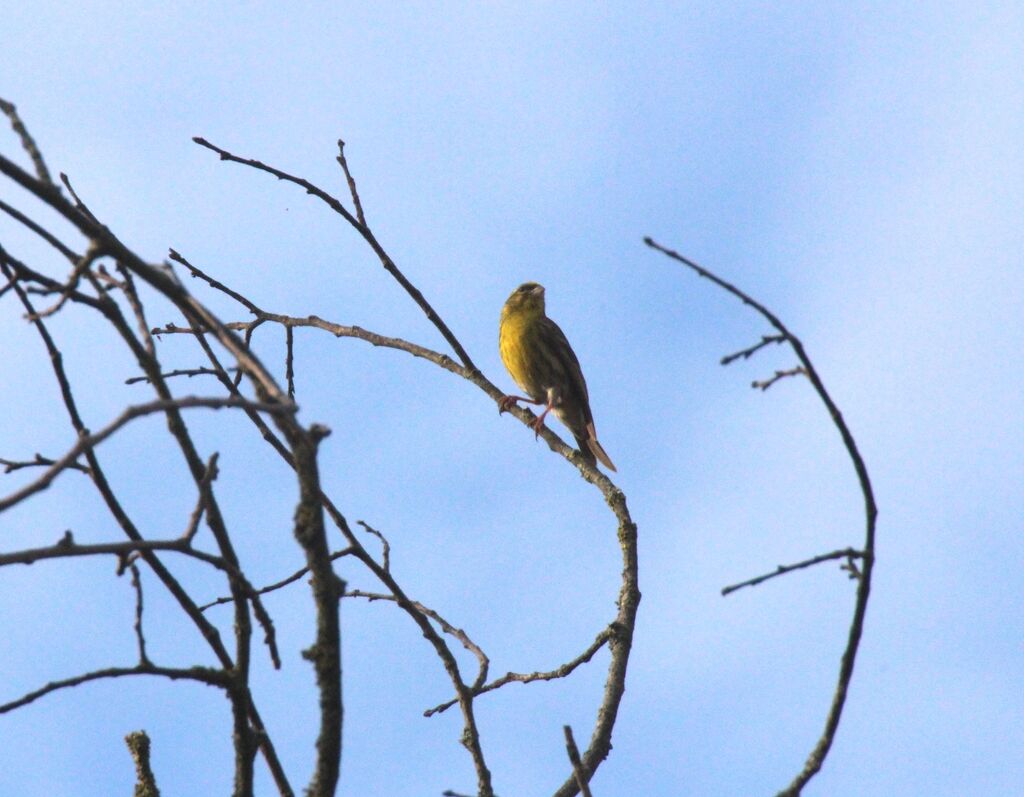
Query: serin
[[541, 361]]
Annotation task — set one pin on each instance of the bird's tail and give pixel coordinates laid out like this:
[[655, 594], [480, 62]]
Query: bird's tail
[[590, 448]]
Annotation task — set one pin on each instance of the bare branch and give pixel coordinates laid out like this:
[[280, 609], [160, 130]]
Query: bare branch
[[326, 588], [385, 546], [189, 372], [196, 313], [201, 674], [67, 548], [79, 204], [204, 497], [524, 678], [277, 584], [16, 271], [351, 183], [27, 142], [446, 627], [46, 235], [90, 441], [340, 331], [219, 286], [574, 759], [139, 636], [289, 369], [847, 553], [363, 230], [126, 553], [145, 781], [83, 265], [175, 329], [555, 443], [40, 461], [747, 353], [767, 383], [470, 733], [867, 554]]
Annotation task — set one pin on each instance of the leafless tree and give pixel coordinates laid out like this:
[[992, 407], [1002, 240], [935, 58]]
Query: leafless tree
[[110, 283]]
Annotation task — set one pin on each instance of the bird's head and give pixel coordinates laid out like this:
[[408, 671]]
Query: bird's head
[[527, 300]]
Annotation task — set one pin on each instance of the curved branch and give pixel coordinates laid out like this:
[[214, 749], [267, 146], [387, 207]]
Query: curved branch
[[201, 674], [37, 229], [867, 554], [526, 678], [447, 628]]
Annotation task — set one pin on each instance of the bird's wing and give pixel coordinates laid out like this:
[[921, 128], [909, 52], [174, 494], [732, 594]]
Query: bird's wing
[[575, 384]]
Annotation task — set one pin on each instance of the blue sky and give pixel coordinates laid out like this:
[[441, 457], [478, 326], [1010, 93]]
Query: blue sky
[[857, 167]]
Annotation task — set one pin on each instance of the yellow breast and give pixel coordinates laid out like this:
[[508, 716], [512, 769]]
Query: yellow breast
[[511, 345]]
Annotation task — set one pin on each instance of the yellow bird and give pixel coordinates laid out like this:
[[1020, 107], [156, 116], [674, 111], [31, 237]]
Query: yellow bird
[[541, 361]]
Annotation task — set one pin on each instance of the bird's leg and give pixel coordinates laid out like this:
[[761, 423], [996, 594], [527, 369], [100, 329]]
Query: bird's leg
[[539, 423], [508, 402]]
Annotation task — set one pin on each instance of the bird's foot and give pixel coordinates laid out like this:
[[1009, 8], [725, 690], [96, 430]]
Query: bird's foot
[[506, 403]]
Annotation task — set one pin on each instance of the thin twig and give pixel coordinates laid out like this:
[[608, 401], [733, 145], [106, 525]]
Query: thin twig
[[562, 671], [90, 441], [40, 461], [109, 281], [284, 582], [351, 183], [749, 351], [384, 544], [846, 553], [21, 272], [27, 142], [219, 286], [204, 675], [131, 293], [67, 547], [126, 553], [364, 231], [137, 625], [574, 759], [470, 732], [204, 497], [442, 360], [446, 627], [555, 443], [79, 204], [84, 264], [289, 362], [189, 372], [767, 383], [46, 235], [340, 331]]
